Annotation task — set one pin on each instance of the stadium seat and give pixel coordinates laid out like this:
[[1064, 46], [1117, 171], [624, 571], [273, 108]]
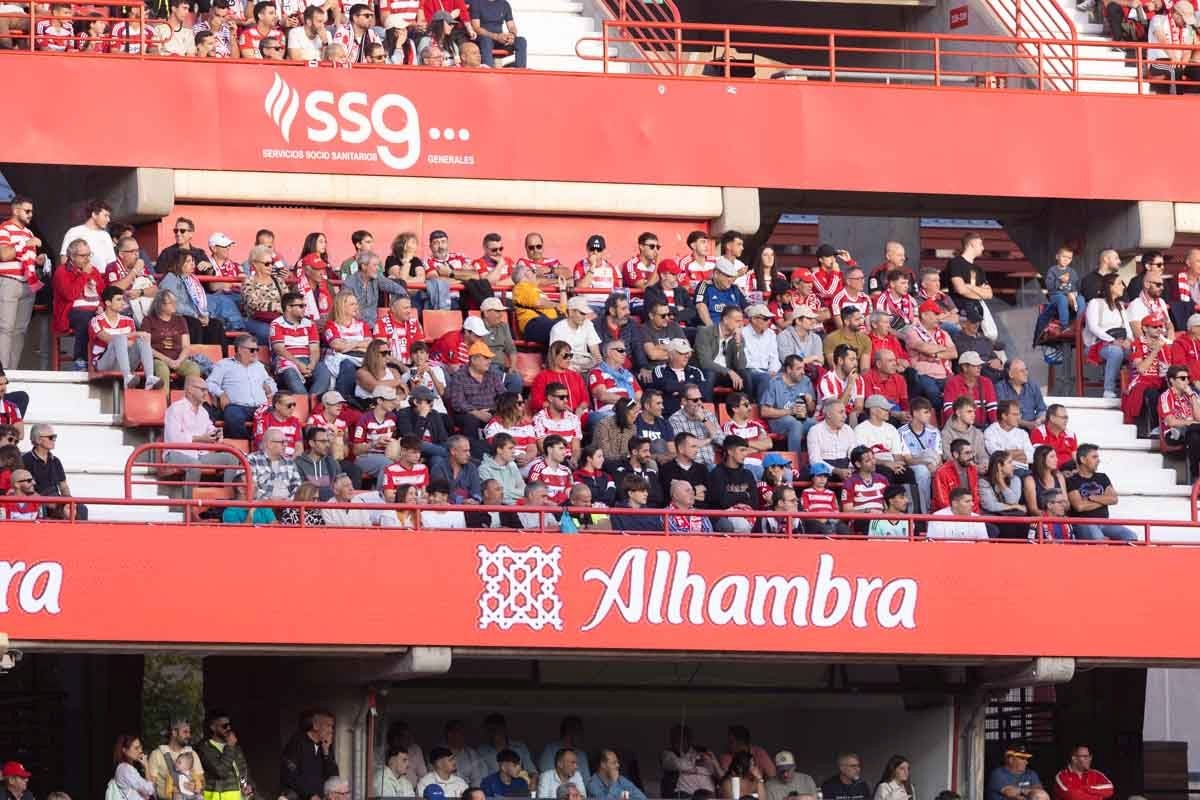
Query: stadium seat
[[144, 408], [213, 352], [439, 322], [528, 365]]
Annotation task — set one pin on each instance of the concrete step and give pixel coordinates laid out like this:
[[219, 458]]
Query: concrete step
[[557, 62], [91, 484], [134, 513], [523, 7]]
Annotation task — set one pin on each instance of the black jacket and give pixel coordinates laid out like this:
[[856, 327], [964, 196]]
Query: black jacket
[[408, 422], [685, 304], [667, 381], [696, 475], [632, 523], [655, 499], [304, 768]]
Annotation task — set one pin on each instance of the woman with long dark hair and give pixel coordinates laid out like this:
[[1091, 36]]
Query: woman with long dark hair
[[1107, 336], [1000, 493], [612, 434], [130, 761], [744, 773], [895, 784], [191, 301], [1043, 477], [440, 30]]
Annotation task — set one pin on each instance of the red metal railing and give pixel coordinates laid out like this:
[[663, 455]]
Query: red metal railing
[[1145, 538], [159, 470], [659, 46], [1045, 20], [893, 57]]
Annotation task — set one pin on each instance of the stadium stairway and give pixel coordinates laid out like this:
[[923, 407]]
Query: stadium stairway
[[552, 28], [1097, 75], [1147, 483], [92, 443]]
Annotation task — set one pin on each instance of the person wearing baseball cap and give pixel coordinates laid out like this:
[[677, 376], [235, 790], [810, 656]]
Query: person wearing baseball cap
[[220, 240], [803, 295], [971, 382], [1150, 356], [715, 295], [799, 336], [578, 331], [672, 379], [788, 780], [16, 779], [499, 338], [594, 274], [827, 278], [762, 348], [1014, 780], [931, 350], [471, 394], [670, 292]]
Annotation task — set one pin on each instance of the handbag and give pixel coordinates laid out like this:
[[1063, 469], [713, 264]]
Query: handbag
[[1116, 333]]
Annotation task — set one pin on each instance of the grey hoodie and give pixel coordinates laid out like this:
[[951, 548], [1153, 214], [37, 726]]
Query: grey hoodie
[[508, 476]]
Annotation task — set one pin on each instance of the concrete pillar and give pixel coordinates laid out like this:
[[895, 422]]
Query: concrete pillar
[[741, 213], [865, 237]]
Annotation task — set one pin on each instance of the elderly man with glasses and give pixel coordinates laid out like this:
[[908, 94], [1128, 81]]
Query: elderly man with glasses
[[240, 385], [48, 472], [77, 288]]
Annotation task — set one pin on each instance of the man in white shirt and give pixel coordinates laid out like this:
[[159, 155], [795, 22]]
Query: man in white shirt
[[570, 735], [762, 349], [892, 456], [305, 42], [961, 505], [442, 769], [579, 332], [187, 421], [94, 231], [1006, 433], [831, 439], [343, 492], [566, 770]]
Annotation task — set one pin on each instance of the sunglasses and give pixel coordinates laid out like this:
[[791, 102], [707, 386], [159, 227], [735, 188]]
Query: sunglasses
[[655, 246], [183, 230], [51, 436], [559, 397], [250, 349], [534, 246], [495, 249], [289, 405]]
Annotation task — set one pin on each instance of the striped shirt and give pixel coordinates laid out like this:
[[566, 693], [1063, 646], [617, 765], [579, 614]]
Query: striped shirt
[[819, 501], [557, 479], [523, 433], [865, 494], [825, 284], [832, 385], [903, 307], [692, 271], [296, 338], [101, 323], [435, 267], [293, 431], [605, 277], [24, 263], [377, 433], [567, 426], [840, 300], [55, 38], [749, 430], [400, 336], [407, 9], [397, 474]]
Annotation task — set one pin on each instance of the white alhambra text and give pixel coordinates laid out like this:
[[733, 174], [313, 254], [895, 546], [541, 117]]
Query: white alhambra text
[[38, 589], [758, 600]]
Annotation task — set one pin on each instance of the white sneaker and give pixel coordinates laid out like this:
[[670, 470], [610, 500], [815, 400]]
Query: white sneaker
[[131, 381], [153, 382], [1086, 5], [1111, 395]]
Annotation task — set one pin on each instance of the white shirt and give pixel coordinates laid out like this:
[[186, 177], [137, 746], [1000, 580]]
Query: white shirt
[[1100, 319], [443, 519], [884, 440], [310, 48], [468, 764], [824, 444], [995, 438], [103, 253], [453, 786], [548, 783], [386, 784], [762, 350], [361, 517], [581, 340], [956, 530]]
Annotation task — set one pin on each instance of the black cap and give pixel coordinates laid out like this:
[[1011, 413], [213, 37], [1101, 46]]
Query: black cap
[[596, 242], [438, 234], [825, 251]]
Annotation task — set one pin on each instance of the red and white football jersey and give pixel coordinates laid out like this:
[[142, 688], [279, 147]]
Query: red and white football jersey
[[634, 270], [24, 264], [397, 474], [842, 299], [522, 433], [605, 277], [599, 377], [372, 431], [100, 323], [567, 426], [484, 267], [452, 263], [904, 307], [293, 432], [296, 338], [831, 385], [557, 479], [826, 283], [55, 38], [356, 334], [748, 430], [692, 272]]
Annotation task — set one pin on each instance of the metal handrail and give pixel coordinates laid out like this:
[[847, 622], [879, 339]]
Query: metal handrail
[[134, 462]]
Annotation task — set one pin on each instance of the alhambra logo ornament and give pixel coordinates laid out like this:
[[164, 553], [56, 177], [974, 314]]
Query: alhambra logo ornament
[[660, 587], [520, 587]]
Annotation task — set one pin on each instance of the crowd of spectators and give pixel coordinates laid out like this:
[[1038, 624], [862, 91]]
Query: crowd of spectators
[[1169, 28], [214, 765], [437, 33], [668, 384]]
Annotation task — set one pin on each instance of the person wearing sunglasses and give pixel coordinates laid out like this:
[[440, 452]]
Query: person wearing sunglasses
[[240, 385], [493, 266], [281, 416], [641, 270], [610, 380], [14, 508], [49, 475]]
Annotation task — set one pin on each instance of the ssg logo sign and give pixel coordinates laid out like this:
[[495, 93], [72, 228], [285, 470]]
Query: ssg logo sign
[[384, 129]]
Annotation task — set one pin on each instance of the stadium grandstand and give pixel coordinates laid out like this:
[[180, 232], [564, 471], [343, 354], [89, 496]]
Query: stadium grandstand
[[615, 399]]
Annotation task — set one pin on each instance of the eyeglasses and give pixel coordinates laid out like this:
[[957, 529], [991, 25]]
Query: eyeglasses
[[560, 397], [654, 246], [24, 480], [1154, 283], [618, 349], [1180, 378], [661, 315], [692, 399], [289, 405], [183, 230], [50, 436], [534, 246], [250, 349], [295, 305], [496, 249]]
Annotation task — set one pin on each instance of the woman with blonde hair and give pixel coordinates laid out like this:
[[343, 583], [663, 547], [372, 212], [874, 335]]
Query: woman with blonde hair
[[378, 369], [346, 338]]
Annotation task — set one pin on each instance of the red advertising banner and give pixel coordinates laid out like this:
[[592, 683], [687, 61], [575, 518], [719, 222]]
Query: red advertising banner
[[522, 125], [120, 583], [959, 17]]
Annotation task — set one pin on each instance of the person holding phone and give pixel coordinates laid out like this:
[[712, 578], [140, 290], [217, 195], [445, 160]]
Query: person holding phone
[[226, 772]]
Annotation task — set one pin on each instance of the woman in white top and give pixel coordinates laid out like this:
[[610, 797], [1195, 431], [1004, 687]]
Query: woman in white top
[[895, 783], [378, 369], [1107, 336], [131, 769], [1171, 33]]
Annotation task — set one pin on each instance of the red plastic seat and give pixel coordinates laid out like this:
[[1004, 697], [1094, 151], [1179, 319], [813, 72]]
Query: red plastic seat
[[528, 365], [438, 322], [144, 408]]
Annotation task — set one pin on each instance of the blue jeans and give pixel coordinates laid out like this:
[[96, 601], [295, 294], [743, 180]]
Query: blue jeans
[[435, 454], [794, 429], [1113, 356], [344, 381], [1098, 532], [224, 307], [931, 389], [236, 419], [486, 46], [259, 329], [291, 381], [1058, 303]]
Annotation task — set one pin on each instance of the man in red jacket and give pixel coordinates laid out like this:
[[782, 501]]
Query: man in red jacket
[[1079, 781], [959, 471]]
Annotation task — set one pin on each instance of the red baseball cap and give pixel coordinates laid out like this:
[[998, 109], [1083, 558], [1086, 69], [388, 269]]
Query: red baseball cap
[[1153, 320], [15, 769], [931, 306], [802, 274], [668, 266], [313, 261]]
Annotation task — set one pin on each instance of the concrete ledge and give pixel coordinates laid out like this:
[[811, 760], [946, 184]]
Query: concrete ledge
[[741, 211], [460, 194]]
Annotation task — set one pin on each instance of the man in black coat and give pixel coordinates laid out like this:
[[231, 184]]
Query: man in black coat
[[308, 759]]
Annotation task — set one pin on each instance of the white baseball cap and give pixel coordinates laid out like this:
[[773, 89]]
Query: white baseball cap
[[475, 325], [219, 240]]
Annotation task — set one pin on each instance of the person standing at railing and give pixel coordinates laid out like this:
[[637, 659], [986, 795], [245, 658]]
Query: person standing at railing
[[1171, 36]]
